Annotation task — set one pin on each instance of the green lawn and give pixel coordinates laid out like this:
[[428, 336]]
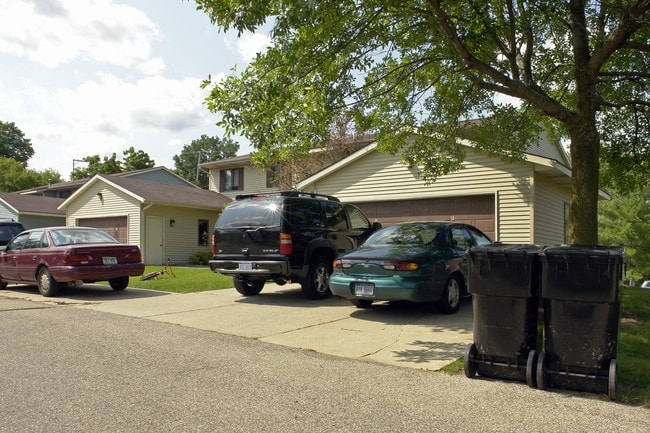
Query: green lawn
[[634, 338], [183, 280]]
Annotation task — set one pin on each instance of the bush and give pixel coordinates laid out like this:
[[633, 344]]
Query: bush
[[201, 258]]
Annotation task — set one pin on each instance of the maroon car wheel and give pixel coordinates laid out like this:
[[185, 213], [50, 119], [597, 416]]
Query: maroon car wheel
[[119, 283]]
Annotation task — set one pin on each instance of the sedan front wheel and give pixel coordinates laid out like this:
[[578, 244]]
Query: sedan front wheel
[[47, 286]]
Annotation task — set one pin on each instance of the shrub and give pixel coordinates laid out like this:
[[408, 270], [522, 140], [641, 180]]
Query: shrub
[[201, 258]]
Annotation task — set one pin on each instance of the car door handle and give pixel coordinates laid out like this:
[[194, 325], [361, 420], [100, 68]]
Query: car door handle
[[34, 257]]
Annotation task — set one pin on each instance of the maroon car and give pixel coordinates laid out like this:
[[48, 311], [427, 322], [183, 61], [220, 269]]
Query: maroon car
[[53, 256]]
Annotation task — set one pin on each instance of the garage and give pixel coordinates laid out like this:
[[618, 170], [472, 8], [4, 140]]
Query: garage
[[476, 210], [114, 226]]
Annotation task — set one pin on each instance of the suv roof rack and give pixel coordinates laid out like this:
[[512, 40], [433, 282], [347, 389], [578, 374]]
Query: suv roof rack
[[288, 193]]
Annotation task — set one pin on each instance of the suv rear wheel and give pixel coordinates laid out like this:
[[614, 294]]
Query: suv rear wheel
[[316, 285], [248, 287]]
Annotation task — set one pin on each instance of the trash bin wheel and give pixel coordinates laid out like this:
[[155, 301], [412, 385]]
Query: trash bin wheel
[[539, 374], [612, 379], [530, 368], [469, 365]]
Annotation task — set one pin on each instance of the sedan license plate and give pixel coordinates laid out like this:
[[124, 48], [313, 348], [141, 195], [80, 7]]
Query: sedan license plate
[[109, 260], [364, 289], [245, 266]]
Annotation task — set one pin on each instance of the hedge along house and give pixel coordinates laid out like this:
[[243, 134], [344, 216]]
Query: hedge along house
[[512, 203], [31, 211], [166, 221]]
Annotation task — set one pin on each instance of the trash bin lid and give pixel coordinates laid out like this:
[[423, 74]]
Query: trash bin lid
[[500, 251]]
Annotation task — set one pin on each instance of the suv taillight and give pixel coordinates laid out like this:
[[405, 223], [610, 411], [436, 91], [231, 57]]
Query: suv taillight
[[214, 246], [286, 244]]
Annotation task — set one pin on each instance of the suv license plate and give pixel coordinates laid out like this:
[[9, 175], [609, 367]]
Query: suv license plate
[[364, 289], [245, 266]]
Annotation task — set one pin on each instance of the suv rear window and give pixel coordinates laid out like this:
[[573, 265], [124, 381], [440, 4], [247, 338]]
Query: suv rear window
[[8, 231], [254, 212]]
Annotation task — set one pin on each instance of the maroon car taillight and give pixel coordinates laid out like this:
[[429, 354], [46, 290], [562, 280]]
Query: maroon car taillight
[[77, 257], [286, 244]]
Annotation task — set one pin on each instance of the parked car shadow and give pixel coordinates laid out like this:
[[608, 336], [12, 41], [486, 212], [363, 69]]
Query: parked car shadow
[[86, 293], [289, 295]]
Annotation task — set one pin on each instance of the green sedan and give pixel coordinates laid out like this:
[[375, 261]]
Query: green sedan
[[413, 261]]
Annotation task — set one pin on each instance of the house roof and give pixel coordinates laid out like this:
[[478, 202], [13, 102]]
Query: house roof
[[233, 162], [155, 193], [75, 184], [552, 167], [28, 204]]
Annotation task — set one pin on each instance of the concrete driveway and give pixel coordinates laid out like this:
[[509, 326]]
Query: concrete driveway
[[407, 335]]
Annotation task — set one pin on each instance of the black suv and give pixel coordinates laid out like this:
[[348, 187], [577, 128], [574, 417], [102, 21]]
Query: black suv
[[285, 236], [9, 229]]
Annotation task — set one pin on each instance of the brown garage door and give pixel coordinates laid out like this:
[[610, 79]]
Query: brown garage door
[[475, 210], [114, 226]]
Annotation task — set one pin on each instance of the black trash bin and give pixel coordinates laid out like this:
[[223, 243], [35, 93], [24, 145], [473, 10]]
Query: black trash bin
[[580, 292], [504, 283]]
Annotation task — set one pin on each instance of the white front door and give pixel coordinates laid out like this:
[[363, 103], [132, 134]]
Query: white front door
[[153, 243]]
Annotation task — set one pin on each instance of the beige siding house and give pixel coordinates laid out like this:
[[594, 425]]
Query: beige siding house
[[166, 221], [237, 175], [512, 203]]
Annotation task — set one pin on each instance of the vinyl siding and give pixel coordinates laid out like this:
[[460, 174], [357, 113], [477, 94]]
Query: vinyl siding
[[381, 177], [254, 181], [181, 241], [114, 202], [549, 212]]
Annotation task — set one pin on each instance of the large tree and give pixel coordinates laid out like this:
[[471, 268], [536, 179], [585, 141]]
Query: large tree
[[14, 144], [136, 160], [204, 149], [625, 220], [94, 164], [15, 177], [578, 69]]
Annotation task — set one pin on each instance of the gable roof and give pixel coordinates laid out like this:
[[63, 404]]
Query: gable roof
[[34, 205], [559, 168], [155, 193], [75, 184]]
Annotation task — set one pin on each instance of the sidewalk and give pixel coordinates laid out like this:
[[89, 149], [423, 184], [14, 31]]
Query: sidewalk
[[406, 335]]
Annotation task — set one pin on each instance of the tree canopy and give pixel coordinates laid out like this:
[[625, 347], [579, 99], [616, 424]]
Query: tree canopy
[[625, 221], [14, 144], [15, 177], [133, 160], [577, 69], [203, 149]]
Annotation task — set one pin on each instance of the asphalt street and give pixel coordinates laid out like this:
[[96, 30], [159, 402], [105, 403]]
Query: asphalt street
[[69, 365]]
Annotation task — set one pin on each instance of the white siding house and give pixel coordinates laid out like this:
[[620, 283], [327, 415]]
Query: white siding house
[[166, 221]]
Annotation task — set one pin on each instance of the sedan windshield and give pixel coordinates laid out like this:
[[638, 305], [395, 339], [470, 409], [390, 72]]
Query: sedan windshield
[[81, 236]]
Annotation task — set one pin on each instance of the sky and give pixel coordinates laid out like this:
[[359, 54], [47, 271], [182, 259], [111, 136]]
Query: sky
[[96, 77]]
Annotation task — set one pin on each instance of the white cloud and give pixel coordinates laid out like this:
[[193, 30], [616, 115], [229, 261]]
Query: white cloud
[[54, 33]]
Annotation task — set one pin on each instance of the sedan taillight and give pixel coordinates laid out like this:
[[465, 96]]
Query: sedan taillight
[[400, 266]]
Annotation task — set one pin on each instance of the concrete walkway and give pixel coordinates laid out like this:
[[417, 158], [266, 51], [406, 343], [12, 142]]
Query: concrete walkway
[[406, 335]]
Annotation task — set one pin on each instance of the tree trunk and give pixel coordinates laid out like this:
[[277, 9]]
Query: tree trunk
[[583, 210]]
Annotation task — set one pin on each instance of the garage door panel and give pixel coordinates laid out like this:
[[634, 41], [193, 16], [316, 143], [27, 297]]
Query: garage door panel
[[114, 226], [475, 210]]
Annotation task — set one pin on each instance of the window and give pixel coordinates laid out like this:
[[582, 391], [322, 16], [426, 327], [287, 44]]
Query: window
[[273, 177], [358, 220], [231, 179], [335, 216], [204, 226]]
